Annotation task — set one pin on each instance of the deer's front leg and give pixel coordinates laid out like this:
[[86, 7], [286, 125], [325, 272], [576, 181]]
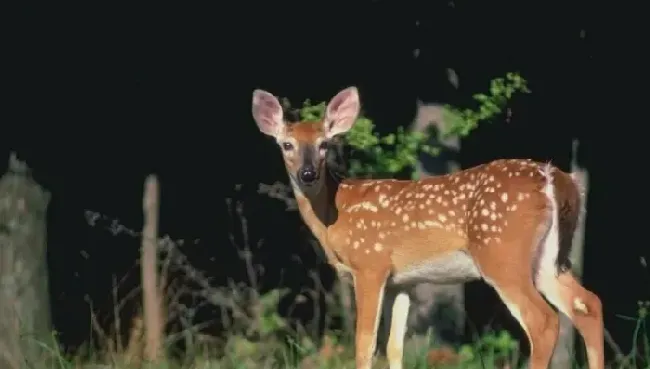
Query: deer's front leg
[[399, 315], [369, 293]]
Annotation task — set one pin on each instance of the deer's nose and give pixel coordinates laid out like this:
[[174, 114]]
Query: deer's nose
[[307, 174]]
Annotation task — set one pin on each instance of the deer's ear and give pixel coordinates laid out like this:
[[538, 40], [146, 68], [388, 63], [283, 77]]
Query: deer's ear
[[267, 113], [342, 111]]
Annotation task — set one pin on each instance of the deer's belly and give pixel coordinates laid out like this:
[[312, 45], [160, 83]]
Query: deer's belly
[[454, 267]]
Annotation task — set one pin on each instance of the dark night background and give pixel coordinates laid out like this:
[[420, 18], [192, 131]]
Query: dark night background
[[101, 96]]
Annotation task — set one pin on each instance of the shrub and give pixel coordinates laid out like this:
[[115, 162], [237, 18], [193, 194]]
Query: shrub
[[396, 152]]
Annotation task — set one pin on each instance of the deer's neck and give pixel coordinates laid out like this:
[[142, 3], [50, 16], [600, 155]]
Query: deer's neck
[[318, 208]]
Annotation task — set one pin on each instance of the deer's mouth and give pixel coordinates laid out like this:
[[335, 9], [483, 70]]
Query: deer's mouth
[[295, 178], [311, 183]]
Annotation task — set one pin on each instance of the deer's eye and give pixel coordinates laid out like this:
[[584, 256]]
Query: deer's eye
[[323, 145], [286, 146]]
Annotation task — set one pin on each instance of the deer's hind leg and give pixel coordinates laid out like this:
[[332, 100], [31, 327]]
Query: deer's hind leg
[[580, 305], [512, 280], [507, 268], [507, 260], [563, 290]]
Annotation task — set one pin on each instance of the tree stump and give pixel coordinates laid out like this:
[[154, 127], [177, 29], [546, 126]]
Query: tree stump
[[25, 322]]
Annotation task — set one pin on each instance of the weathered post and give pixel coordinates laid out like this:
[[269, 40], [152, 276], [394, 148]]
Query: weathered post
[[25, 324], [151, 299], [564, 350]]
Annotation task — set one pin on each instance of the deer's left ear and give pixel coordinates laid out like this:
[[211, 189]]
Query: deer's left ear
[[342, 112], [267, 113]]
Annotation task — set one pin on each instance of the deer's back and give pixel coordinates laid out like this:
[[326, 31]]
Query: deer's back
[[408, 221]]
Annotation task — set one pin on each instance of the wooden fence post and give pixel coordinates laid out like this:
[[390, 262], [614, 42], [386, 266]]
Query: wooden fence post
[[25, 322], [151, 299]]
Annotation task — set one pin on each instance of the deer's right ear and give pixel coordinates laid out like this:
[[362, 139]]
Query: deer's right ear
[[267, 113]]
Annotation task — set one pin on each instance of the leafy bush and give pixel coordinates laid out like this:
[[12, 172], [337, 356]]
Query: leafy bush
[[393, 153]]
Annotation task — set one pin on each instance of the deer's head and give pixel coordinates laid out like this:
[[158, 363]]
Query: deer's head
[[304, 145]]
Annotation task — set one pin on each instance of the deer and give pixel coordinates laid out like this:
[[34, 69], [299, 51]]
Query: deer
[[508, 222]]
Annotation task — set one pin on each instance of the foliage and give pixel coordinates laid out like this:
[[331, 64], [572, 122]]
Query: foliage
[[462, 121], [494, 350], [374, 154]]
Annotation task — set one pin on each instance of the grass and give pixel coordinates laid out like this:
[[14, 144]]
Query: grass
[[269, 343]]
